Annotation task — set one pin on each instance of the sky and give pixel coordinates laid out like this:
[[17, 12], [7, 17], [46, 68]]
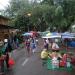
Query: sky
[[3, 4]]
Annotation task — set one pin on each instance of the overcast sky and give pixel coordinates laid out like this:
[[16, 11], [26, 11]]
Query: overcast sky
[[3, 3]]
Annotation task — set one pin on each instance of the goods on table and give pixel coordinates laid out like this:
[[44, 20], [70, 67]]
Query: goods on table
[[58, 61], [55, 63]]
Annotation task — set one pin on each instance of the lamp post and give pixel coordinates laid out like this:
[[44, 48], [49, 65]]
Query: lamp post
[[29, 14]]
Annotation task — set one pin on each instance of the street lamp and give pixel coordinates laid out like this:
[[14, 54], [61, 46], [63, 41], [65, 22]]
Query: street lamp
[[29, 14]]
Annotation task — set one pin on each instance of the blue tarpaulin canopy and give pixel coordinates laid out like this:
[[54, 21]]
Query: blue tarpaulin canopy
[[52, 35], [59, 35]]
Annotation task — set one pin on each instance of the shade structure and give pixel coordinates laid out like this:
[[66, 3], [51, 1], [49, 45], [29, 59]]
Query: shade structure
[[45, 33], [52, 35], [67, 35], [59, 35], [27, 34], [48, 34]]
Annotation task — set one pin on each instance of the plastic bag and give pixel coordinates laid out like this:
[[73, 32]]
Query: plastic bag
[[11, 62]]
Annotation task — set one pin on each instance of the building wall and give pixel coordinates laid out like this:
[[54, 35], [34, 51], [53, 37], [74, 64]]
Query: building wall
[[4, 33], [3, 21]]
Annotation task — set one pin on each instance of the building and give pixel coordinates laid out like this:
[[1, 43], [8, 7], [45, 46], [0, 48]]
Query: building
[[4, 28]]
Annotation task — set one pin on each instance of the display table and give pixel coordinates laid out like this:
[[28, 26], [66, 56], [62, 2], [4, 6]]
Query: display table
[[49, 66]]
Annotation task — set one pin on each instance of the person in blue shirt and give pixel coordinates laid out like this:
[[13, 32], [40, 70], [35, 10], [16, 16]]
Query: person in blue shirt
[[33, 45]]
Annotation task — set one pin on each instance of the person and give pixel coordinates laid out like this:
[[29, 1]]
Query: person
[[1, 46], [17, 43], [73, 60], [55, 46], [46, 44], [47, 41], [6, 52], [33, 45], [1, 58], [1, 43], [27, 43], [37, 41], [44, 56]]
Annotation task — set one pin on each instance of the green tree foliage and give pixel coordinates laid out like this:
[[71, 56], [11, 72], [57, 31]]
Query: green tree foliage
[[17, 11], [17, 7], [48, 13], [50, 2], [64, 15], [69, 10], [42, 16]]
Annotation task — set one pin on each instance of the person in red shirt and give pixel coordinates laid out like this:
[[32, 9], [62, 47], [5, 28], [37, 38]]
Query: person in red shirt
[[27, 43]]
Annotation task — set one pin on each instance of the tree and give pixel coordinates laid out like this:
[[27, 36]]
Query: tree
[[50, 2], [20, 22], [16, 7], [46, 13], [42, 15], [64, 13], [69, 11], [17, 11]]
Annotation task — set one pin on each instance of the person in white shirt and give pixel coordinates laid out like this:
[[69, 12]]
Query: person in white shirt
[[47, 41], [46, 44], [55, 46]]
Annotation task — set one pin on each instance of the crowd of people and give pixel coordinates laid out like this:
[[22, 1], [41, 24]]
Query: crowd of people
[[12, 42], [51, 43], [31, 44]]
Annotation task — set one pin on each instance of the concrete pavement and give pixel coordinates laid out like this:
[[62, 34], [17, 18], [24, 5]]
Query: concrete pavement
[[31, 65]]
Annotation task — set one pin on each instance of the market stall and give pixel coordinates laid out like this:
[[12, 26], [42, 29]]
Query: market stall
[[59, 60]]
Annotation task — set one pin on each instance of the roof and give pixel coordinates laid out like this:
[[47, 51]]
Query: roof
[[6, 27], [4, 17]]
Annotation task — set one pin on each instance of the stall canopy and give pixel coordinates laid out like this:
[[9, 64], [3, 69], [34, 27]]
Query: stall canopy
[[52, 35], [27, 34], [58, 35], [67, 35]]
